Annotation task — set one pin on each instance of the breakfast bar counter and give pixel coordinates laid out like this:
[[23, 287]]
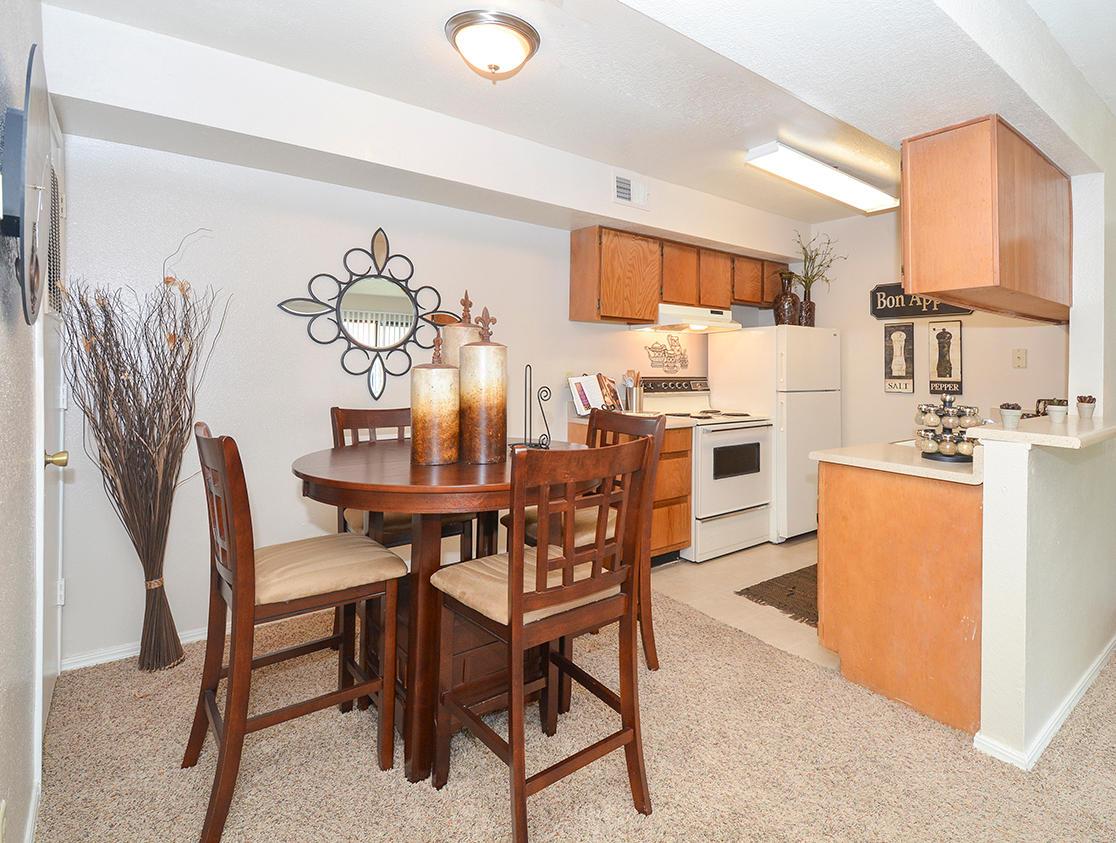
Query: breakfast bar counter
[[899, 576]]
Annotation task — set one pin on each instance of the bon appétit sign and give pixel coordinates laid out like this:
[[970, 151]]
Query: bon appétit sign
[[888, 301]]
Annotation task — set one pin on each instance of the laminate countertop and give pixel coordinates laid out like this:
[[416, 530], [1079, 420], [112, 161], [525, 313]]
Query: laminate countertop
[[905, 458]]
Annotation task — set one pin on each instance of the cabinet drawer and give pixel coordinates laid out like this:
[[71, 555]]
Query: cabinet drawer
[[673, 477], [677, 440], [670, 526]]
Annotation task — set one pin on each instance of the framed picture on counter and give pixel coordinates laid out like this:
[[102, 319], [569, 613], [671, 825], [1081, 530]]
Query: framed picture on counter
[[945, 357], [898, 357]]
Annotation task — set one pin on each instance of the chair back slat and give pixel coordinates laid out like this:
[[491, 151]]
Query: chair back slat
[[357, 426], [231, 547], [604, 480]]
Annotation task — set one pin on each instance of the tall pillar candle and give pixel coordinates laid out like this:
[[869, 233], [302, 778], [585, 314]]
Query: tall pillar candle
[[456, 335], [484, 402], [435, 411]]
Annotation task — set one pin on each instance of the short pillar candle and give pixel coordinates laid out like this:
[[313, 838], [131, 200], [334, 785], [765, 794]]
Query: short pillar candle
[[434, 411]]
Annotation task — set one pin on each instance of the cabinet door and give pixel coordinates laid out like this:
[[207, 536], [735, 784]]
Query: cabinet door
[[716, 279], [631, 271], [771, 283], [680, 273], [747, 281]]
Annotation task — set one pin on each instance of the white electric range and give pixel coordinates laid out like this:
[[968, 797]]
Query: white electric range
[[731, 467]]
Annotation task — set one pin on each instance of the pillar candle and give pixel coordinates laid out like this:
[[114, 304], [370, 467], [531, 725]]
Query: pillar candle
[[484, 398], [434, 412], [455, 335]]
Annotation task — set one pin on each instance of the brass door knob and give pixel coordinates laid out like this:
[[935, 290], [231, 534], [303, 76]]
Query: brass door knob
[[60, 459]]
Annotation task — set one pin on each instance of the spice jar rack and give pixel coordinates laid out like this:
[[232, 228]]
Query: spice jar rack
[[942, 432]]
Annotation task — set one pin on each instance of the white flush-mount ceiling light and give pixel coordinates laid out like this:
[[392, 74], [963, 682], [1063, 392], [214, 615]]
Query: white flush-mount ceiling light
[[494, 44], [800, 168]]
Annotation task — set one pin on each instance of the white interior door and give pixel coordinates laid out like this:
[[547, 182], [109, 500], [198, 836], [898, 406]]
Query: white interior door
[[54, 408]]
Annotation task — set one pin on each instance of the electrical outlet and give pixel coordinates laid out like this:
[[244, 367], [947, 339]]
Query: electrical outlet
[[1019, 358]]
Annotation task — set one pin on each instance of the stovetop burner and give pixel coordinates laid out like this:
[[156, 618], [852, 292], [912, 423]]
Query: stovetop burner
[[710, 414]]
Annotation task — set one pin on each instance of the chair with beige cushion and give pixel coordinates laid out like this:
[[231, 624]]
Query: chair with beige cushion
[[391, 529], [530, 597], [262, 584], [607, 428]]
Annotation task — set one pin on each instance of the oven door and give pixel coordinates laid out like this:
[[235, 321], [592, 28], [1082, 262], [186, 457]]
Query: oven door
[[732, 469]]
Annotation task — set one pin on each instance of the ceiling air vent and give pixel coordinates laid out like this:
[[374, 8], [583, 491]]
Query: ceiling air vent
[[628, 190]]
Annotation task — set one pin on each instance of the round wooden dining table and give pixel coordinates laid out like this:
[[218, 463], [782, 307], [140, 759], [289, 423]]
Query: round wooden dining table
[[380, 477]]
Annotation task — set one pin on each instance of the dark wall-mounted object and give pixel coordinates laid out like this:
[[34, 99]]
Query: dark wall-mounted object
[[888, 301], [375, 312], [26, 166]]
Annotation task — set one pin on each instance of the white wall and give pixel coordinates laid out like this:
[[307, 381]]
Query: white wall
[[870, 415], [269, 385], [19, 469], [1049, 624]]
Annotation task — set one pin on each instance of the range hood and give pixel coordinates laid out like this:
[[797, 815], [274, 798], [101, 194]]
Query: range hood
[[691, 320]]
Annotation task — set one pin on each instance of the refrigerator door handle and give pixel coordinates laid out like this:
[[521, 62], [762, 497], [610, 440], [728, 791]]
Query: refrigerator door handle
[[782, 415]]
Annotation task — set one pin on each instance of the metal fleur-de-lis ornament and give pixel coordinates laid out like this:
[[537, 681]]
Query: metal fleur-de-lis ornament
[[486, 321], [466, 314]]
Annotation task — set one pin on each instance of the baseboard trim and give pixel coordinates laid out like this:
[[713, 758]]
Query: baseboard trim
[[1026, 760], [33, 812], [121, 651]]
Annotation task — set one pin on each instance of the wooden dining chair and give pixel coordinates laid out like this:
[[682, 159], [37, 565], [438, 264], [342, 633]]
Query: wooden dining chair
[[608, 428], [530, 597], [391, 529], [263, 584]]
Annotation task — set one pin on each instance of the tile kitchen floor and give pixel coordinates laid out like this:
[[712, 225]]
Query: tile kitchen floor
[[711, 589]]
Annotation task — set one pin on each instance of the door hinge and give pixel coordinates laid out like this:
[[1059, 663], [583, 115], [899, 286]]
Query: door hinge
[[60, 599]]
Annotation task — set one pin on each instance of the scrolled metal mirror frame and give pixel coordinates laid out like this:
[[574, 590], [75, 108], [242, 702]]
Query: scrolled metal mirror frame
[[323, 310]]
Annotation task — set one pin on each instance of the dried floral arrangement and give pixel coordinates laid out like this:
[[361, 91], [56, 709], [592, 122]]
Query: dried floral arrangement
[[818, 257], [134, 362], [1086, 399], [1057, 402], [1009, 405]]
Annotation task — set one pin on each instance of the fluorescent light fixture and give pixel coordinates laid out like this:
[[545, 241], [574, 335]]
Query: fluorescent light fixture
[[799, 168]]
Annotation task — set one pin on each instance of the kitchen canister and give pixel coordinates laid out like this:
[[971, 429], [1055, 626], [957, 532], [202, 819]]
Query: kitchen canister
[[457, 334], [484, 398], [434, 411]]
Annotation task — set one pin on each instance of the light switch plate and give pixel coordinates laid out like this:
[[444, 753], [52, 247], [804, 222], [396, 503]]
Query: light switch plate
[[1019, 358]]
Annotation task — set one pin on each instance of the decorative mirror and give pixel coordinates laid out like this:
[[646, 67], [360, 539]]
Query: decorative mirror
[[375, 312], [27, 184]]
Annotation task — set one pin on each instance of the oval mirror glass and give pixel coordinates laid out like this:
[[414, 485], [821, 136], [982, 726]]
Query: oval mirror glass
[[376, 313]]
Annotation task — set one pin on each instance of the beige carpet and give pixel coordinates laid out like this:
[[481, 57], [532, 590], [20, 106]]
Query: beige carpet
[[743, 742]]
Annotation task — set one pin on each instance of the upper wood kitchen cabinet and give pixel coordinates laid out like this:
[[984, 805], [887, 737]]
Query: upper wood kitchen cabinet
[[681, 279], [614, 276], [716, 279], [747, 281], [986, 221], [755, 282]]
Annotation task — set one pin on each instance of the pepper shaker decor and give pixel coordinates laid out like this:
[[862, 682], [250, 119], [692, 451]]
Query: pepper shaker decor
[[434, 411], [457, 334], [484, 397]]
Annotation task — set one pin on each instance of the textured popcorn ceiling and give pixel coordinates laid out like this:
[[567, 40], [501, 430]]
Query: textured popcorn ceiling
[[1086, 29], [608, 83], [892, 69]]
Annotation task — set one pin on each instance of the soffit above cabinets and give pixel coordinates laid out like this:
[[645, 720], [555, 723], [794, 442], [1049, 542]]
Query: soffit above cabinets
[[608, 83]]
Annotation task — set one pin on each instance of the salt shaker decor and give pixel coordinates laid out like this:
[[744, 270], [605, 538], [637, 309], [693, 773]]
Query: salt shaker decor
[[484, 398], [434, 411], [457, 334]]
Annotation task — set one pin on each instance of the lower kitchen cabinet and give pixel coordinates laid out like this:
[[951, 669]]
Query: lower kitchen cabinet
[[670, 516]]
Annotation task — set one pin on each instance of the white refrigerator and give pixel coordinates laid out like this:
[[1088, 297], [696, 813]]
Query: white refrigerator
[[792, 375]]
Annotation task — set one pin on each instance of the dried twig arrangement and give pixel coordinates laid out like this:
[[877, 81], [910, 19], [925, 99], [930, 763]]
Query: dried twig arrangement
[[818, 257], [134, 363]]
